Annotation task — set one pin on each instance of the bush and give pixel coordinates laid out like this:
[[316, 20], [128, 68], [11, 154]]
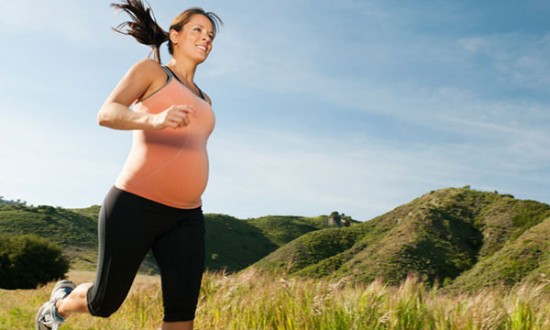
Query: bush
[[28, 261]]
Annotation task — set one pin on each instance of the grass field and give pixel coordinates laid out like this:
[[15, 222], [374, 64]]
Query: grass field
[[251, 300]]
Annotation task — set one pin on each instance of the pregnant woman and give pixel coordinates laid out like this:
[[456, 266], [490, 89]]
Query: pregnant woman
[[155, 203]]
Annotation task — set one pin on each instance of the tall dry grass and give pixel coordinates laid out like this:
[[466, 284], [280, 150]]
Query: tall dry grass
[[251, 300]]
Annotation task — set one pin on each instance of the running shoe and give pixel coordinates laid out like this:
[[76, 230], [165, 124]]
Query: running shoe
[[47, 317]]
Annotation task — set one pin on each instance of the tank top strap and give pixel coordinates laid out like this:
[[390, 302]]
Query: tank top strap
[[172, 75], [169, 73], [200, 92]]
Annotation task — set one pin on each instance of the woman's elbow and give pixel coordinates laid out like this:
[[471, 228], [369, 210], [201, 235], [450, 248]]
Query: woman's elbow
[[103, 118]]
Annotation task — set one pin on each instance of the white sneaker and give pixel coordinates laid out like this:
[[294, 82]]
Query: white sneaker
[[47, 317]]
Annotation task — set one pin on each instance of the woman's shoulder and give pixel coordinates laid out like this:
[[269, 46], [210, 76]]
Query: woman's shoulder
[[147, 67], [147, 73]]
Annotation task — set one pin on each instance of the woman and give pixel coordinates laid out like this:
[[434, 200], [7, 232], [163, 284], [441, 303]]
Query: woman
[[156, 200]]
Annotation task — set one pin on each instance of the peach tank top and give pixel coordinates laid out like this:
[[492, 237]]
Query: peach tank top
[[170, 166]]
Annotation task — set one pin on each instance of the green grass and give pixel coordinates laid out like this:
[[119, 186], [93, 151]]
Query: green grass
[[254, 300]]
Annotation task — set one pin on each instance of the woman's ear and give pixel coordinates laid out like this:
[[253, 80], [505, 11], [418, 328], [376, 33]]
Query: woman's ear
[[174, 36]]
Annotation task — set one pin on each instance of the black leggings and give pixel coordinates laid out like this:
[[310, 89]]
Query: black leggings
[[129, 226]]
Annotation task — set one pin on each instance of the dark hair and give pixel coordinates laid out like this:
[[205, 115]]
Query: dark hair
[[145, 29]]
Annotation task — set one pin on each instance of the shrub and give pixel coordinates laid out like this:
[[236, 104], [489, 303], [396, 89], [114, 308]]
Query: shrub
[[28, 261]]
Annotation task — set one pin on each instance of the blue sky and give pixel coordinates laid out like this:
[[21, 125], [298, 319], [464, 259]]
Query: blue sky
[[354, 106]]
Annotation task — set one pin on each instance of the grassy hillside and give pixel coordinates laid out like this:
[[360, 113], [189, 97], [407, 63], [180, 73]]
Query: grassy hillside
[[232, 244], [63, 226], [526, 258], [75, 232], [439, 236], [283, 229], [461, 238], [311, 249], [90, 212]]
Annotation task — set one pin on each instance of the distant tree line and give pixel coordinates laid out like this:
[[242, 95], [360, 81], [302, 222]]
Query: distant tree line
[[11, 202]]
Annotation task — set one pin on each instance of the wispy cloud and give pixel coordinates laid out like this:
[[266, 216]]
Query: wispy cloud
[[401, 89], [519, 59]]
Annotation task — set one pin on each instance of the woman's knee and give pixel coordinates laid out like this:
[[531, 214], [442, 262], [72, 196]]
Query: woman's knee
[[103, 312], [102, 305]]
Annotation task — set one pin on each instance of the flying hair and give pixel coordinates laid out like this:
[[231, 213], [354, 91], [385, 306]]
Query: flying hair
[[143, 25]]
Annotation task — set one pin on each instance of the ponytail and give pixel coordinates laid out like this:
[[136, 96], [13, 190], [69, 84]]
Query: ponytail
[[143, 26]]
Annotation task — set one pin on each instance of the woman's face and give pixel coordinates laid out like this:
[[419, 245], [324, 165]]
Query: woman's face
[[195, 38]]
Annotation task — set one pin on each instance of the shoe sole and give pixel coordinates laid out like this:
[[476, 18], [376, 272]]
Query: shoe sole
[[40, 326]]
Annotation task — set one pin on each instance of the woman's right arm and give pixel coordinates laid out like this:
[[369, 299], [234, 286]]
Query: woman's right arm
[[140, 80]]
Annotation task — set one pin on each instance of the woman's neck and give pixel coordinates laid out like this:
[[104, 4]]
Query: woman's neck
[[184, 71]]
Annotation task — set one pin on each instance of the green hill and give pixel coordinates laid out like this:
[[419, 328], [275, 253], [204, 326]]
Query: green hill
[[75, 232], [439, 236], [232, 244], [283, 229], [461, 238], [525, 259]]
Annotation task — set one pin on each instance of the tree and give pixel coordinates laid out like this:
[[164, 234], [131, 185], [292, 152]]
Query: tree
[[28, 261], [335, 219], [346, 220], [339, 220]]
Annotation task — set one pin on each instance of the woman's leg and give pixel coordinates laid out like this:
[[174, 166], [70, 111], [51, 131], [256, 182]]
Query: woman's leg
[[186, 325], [180, 255], [124, 239]]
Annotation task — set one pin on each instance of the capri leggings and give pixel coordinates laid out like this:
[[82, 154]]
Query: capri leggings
[[129, 226]]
